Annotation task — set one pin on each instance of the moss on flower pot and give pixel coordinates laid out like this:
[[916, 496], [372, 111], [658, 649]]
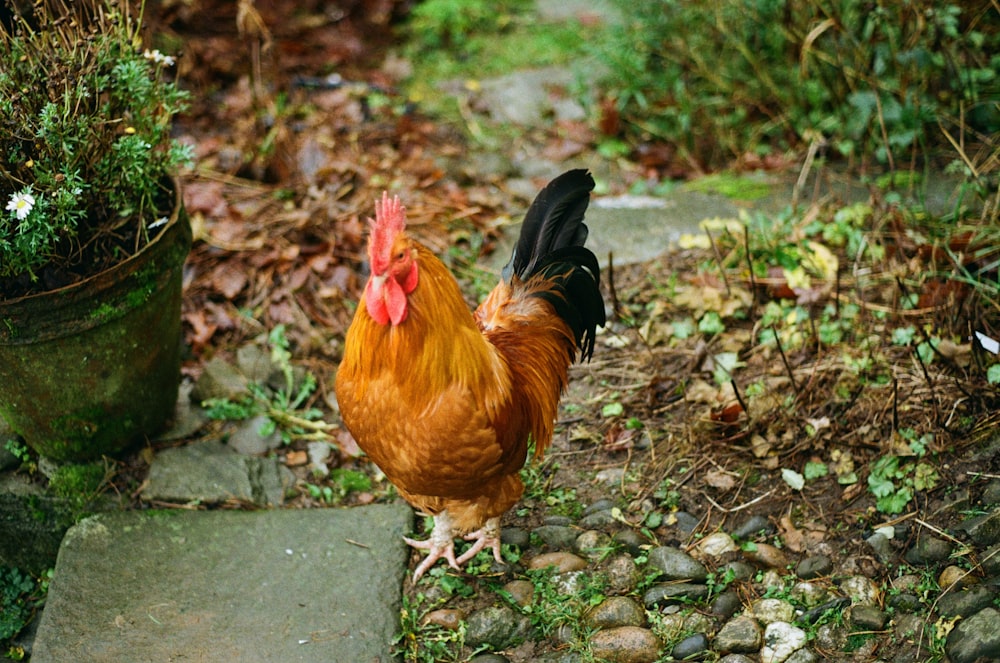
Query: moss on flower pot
[[91, 368]]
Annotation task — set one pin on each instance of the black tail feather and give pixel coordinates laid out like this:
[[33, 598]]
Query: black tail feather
[[551, 246], [554, 220]]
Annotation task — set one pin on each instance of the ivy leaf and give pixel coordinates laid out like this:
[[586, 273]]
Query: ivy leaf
[[814, 470]]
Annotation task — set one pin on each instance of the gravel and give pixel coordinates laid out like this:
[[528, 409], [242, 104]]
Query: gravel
[[727, 599]]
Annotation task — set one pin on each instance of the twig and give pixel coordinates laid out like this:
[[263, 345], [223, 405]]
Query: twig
[[814, 145], [718, 259], [612, 291], [784, 359], [739, 398], [895, 404], [753, 281], [940, 532], [359, 545], [740, 507]]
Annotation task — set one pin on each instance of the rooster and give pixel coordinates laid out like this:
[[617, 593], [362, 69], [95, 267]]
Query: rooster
[[444, 400]]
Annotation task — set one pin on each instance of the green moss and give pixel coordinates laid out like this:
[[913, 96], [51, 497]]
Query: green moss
[[730, 185], [72, 481]]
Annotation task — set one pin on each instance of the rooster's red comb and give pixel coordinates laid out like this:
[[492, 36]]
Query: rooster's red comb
[[389, 221]]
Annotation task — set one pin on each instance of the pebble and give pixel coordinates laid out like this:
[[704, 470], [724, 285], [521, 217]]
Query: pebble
[[767, 555], [742, 635], [867, 618], [557, 537], [771, 579], [984, 530], [616, 611], [808, 594], [904, 602], [716, 544], [953, 575], [769, 611], [726, 604], [861, 590], [562, 561], [991, 494], [599, 505], [675, 564], [598, 519], [686, 523], [515, 536], [781, 640], [975, 638], [735, 658], [496, 626], [965, 603], [690, 648], [816, 566], [804, 655], [593, 545], [570, 582], [990, 561], [247, 439], [813, 615], [319, 452], [631, 540], [739, 570], [673, 593], [626, 644], [521, 591], [753, 526], [882, 547], [489, 658], [561, 521], [928, 550], [831, 637], [447, 618], [622, 573]]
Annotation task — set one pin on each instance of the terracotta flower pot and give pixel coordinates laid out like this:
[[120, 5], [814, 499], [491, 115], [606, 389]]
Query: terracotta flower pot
[[91, 368]]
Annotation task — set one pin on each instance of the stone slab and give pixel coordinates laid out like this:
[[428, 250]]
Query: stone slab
[[316, 585]]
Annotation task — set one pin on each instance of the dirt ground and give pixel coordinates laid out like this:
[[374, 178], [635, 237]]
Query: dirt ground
[[299, 123]]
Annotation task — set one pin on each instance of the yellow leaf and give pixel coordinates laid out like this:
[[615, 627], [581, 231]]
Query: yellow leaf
[[823, 262]]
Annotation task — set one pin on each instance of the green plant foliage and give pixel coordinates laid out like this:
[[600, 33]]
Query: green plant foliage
[[85, 147], [18, 594], [722, 78], [285, 406]]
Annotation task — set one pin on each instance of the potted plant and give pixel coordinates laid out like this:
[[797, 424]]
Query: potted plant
[[93, 235]]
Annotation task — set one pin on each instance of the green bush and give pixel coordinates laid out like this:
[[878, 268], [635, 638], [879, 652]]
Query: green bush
[[726, 77]]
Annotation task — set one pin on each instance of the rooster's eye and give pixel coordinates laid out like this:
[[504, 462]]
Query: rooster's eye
[[399, 256]]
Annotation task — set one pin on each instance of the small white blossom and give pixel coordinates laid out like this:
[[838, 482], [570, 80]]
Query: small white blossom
[[159, 58], [21, 204]]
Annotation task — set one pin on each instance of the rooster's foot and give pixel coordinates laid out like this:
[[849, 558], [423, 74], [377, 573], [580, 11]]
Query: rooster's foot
[[489, 535], [440, 545]]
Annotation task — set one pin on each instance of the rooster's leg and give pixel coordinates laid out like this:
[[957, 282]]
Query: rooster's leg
[[441, 544], [489, 535]]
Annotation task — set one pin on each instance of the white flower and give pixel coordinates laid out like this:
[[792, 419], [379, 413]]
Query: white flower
[[21, 204], [159, 58]]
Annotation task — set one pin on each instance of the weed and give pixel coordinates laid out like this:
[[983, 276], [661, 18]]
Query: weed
[[893, 482], [285, 406], [558, 602], [716, 80], [422, 642], [20, 593], [18, 450]]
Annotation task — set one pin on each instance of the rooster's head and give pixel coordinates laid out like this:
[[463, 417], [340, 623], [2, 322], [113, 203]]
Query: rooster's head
[[392, 257]]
